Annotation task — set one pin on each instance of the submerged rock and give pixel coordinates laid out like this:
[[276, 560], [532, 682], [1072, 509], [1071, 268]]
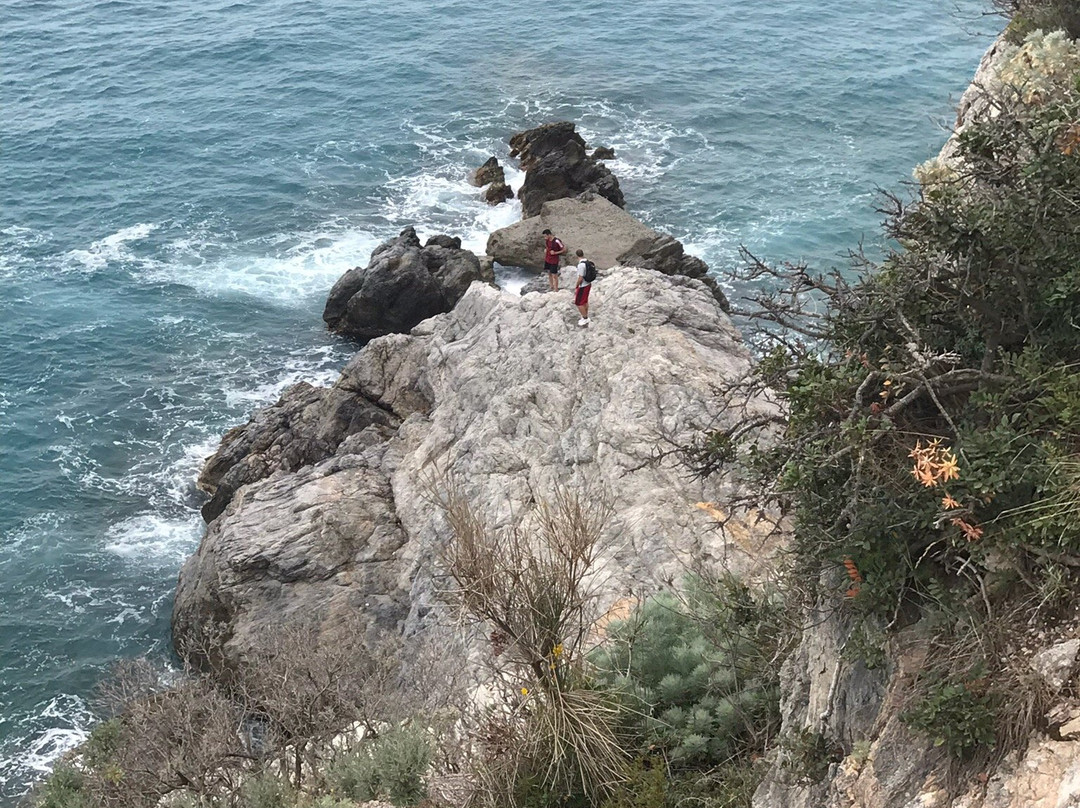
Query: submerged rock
[[557, 166], [510, 397], [402, 285]]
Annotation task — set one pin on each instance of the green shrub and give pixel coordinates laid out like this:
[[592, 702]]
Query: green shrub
[[63, 789], [699, 673], [391, 767], [930, 462], [955, 715], [1040, 15], [650, 784], [267, 791]]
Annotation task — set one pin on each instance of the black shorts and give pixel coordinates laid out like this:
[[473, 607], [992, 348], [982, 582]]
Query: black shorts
[[552, 268]]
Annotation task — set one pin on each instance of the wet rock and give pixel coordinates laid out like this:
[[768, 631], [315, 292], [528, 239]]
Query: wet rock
[[557, 166], [497, 193], [489, 172], [402, 285]]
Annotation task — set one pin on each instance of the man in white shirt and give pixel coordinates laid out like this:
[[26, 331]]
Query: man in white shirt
[[581, 289]]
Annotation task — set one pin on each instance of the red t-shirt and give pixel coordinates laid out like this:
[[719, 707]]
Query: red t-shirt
[[550, 256]]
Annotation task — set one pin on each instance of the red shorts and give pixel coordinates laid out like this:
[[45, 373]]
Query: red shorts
[[581, 295]]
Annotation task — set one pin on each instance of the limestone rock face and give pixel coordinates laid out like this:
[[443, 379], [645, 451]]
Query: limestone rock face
[[322, 540], [510, 397], [608, 235], [403, 284], [557, 166]]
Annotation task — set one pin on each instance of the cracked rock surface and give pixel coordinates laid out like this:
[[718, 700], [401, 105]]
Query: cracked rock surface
[[509, 396]]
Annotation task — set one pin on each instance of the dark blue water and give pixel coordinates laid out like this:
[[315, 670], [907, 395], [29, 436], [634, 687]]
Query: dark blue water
[[184, 180]]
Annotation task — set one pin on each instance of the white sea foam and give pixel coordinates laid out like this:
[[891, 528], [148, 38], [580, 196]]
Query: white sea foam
[[52, 729], [296, 266], [151, 539], [113, 248], [319, 366], [34, 531], [15, 241]]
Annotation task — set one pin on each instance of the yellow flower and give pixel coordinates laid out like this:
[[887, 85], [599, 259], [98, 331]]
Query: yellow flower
[[948, 468], [524, 691], [557, 651]]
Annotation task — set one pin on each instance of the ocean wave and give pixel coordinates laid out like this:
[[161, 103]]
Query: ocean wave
[[286, 268]]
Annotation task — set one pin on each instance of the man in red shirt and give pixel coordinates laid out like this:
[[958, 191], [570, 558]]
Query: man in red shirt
[[553, 248]]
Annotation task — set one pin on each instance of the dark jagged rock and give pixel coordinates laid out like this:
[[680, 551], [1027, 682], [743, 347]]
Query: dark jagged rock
[[603, 153], [557, 166], [497, 193], [305, 426], [449, 242], [402, 285], [490, 172], [666, 254]]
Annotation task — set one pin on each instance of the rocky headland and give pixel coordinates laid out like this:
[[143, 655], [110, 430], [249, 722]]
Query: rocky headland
[[322, 502]]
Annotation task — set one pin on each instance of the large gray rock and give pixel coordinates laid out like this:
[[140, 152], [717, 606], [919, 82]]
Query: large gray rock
[[557, 166], [512, 398], [305, 426], [403, 284], [607, 234]]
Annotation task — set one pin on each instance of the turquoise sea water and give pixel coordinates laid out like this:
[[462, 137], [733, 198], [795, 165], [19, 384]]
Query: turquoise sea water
[[183, 181]]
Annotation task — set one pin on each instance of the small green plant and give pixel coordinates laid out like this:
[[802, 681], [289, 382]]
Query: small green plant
[[63, 789], [267, 791], [698, 673], [807, 755], [647, 786], [956, 715], [390, 767]]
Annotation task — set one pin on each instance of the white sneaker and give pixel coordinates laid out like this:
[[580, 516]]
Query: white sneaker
[[583, 321]]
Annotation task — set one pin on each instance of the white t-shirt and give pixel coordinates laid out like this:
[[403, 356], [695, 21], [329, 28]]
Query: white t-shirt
[[581, 273]]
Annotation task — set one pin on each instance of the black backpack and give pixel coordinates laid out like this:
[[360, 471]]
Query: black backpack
[[590, 271]]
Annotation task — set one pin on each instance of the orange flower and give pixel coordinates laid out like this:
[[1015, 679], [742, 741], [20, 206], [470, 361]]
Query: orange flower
[[971, 532], [948, 502]]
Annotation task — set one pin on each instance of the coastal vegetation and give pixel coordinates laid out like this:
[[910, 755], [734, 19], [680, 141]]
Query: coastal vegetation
[[930, 464], [929, 467]]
